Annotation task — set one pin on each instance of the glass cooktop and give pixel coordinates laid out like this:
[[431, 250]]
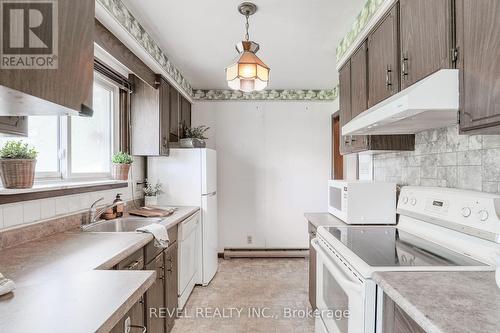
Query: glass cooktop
[[391, 247]]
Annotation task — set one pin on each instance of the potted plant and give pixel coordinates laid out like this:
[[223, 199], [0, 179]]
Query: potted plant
[[151, 193], [17, 163], [121, 165], [193, 137]]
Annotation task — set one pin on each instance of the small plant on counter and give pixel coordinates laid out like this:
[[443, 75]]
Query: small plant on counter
[[193, 137], [121, 165], [151, 193], [17, 163], [122, 158], [151, 190]]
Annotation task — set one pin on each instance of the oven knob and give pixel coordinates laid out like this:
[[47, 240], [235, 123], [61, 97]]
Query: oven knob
[[483, 215], [413, 201], [405, 200], [466, 211]]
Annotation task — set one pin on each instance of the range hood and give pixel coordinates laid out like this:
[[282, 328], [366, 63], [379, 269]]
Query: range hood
[[430, 103]]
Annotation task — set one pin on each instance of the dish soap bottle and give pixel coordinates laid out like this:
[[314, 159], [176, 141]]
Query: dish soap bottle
[[119, 205]]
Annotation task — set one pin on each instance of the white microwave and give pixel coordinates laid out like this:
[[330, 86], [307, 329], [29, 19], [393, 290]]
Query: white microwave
[[362, 202]]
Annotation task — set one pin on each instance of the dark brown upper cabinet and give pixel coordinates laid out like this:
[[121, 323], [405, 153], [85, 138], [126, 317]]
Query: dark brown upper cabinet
[[150, 117], [175, 104], [68, 86], [345, 103], [359, 83], [426, 28], [185, 114], [478, 43], [383, 59]]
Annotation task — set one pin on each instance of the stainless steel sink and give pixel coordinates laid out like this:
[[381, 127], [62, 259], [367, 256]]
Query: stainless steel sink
[[125, 224]]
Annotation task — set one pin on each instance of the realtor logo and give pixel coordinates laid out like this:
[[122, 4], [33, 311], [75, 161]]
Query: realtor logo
[[28, 33]]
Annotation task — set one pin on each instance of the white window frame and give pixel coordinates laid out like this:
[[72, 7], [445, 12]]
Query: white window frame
[[64, 141]]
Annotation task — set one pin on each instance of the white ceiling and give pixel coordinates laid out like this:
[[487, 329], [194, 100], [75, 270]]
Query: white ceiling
[[297, 37]]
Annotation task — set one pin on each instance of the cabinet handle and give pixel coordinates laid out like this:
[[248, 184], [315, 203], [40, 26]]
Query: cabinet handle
[[404, 63], [143, 328], [134, 265], [388, 78]]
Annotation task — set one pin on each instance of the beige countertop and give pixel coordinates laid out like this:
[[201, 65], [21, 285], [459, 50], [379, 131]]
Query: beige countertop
[[446, 302], [63, 282], [323, 219]]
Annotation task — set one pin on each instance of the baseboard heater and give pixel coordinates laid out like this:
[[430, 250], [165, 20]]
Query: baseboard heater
[[265, 253]]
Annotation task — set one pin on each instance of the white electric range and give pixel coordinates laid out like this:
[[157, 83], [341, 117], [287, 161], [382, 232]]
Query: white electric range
[[438, 230]]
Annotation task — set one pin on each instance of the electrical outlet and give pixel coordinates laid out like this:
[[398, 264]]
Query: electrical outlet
[[249, 240], [127, 325]]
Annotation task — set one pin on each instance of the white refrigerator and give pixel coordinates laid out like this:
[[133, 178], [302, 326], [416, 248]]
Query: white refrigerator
[[189, 178]]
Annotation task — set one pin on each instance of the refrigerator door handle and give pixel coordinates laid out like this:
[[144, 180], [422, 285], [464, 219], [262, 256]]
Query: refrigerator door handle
[[209, 194]]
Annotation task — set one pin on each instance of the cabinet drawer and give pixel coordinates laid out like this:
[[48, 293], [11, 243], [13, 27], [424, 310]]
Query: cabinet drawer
[[133, 262], [152, 251]]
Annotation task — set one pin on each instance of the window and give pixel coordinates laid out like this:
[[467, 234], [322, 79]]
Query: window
[[76, 147], [43, 134], [92, 138]]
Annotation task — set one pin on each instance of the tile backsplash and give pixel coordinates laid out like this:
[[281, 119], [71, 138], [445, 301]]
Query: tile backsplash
[[444, 158], [36, 210]]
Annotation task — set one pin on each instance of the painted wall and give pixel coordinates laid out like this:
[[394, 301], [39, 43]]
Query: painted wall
[[273, 165], [12, 215], [444, 158]]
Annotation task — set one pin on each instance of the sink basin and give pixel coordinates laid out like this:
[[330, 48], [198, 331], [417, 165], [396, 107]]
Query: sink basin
[[125, 224]]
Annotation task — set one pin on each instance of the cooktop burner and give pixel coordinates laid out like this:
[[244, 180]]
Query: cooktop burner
[[392, 247]]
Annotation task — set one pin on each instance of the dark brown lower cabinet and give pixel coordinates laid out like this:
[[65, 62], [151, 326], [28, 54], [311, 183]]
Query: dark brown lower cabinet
[[312, 267], [136, 315], [155, 297], [395, 320], [171, 285]]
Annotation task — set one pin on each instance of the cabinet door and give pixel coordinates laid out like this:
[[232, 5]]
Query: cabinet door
[[14, 125], [171, 284], [185, 113], [164, 117], [144, 112], [383, 59], [426, 33], [174, 115], [359, 80], [155, 297], [478, 42], [136, 315], [70, 84], [345, 103]]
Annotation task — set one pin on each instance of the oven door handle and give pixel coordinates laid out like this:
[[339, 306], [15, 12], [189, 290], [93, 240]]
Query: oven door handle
[[339, 275]]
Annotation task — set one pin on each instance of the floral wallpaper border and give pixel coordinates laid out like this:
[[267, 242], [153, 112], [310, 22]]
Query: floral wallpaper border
[[121, 13], [124, 17], [267, 95], [369, 9]]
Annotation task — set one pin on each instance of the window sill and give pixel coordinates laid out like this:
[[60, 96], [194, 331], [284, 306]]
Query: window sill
[[46, 189]]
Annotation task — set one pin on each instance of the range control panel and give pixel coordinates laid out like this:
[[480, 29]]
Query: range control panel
[[468, 208]]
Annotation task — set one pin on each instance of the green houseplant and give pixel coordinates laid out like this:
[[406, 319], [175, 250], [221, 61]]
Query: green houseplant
[[17, 163], [121, 165], [193, 137]]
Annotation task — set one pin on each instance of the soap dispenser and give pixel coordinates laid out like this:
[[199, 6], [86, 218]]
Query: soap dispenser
[[119, 205]]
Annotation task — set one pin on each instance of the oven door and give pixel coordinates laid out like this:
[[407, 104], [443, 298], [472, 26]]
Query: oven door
[[340, 295]]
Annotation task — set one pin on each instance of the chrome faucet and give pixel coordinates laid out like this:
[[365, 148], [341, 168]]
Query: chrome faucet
[[95, 214]]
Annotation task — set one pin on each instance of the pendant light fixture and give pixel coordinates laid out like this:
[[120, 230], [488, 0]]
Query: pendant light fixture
[[248, 73]]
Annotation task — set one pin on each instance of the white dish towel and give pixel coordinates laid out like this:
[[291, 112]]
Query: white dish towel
[[6, 285], [159, 232]]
